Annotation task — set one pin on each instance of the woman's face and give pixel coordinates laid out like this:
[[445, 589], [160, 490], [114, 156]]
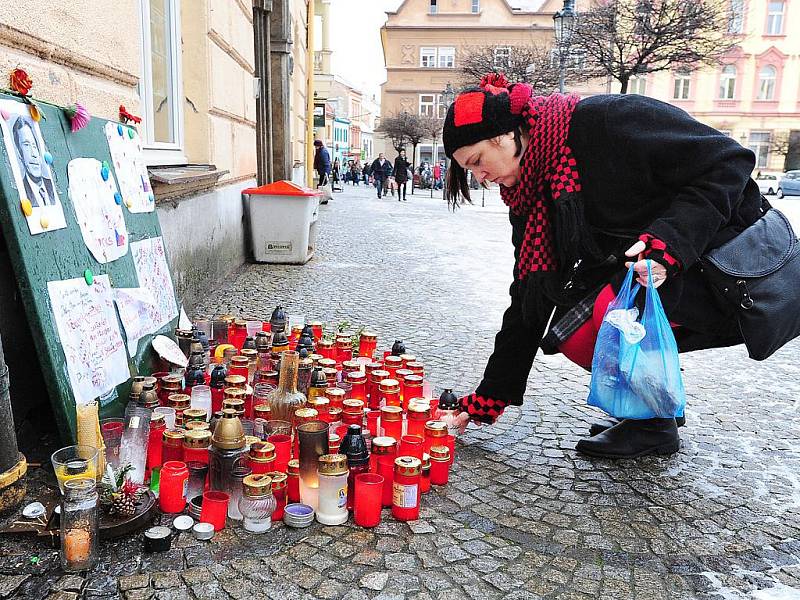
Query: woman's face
[[492, 160]]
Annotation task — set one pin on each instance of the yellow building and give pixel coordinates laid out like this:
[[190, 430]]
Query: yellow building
[[189, 68], [424, 40], [754, 96]]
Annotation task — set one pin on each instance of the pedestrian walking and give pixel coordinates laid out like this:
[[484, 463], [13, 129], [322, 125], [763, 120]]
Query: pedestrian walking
[[401, 166], [366, 171], [355, 172], [594, 185], [336, 172], [381, 169], [437, 176], [322, 162]]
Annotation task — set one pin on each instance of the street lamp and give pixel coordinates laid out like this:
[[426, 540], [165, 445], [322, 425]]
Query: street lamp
[[563, 22], [448, 96]]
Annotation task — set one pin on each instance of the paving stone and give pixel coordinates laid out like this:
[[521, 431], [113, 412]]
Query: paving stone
[[165, 580], [133, 582], [375, 580], [9, 584], [139, 594], [400, 562], [63, 595]]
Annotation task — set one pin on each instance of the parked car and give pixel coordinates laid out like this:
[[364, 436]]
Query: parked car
[[789, 184], [767, 183]]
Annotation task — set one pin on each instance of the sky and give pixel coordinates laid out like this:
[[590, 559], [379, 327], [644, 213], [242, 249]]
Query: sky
[[356, 41]]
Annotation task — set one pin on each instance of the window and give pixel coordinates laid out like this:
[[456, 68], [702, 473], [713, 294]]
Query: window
[[160, 86], [447, 57], [476, 6], [758, 142], [442, 112], [736, 16], [766, 82], [681, 85], [502, 56], [427, 104], [727, 83], [427, 57], [434, 8], [775, 18], [637, 85], [577, 59]]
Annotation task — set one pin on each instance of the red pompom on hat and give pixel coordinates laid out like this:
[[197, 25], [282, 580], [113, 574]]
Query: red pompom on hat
[[484, 112]]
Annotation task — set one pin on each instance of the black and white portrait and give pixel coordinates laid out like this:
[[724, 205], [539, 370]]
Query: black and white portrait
[[27, 158]]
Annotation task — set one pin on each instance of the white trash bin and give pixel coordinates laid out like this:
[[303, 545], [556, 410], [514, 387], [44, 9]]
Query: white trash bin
[[283, 222]]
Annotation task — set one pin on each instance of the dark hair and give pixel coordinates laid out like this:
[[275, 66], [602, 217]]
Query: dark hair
[[18, 125], [458, 184]]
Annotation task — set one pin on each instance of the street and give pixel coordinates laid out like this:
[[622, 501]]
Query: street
[[524, 516]]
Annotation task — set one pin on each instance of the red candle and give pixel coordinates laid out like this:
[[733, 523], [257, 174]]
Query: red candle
[[389, 392], [261, 457], [354, 471], [372, 422], [335, 397], [325, 348], [375, 377], [172, 486], [411, 445], [440, 465], [170, 384], [400, 375], [412, 387], [239, 366], [214, 509], [195, 446], [381, 446], [392, 421], [391, 363], [316, 329], [172, 445], [283, 450], [279, 491], [353, 412], [359, 382], [425, 474], [367, 343], [154, 442], [418, 415], [367, 505], [435, 434], [386, 470], [450, 442], [406, 488], [293, 480]]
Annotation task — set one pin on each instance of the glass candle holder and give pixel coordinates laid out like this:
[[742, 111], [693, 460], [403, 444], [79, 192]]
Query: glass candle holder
[[195, 445], [76, 462], [358, 381], [440, 465], [172, 445], [257, 503], [168, 414], [261, 457], [367, 505], [238, 475], [367, 343], [353, 412], [293, 481], [391, 363], [386, 470], [79, 524], [201, 398], [411, 388], [392, 421], [389, 391], [332, 475], [111, 430], [215, 508], [418, 415], [372, 422], [435, 434], [283, 450], [278, 427], [313, 438], [279, 491], [198, 476], [425, 474], [406, 488], [400, 375], [335, 396], [381, 446]]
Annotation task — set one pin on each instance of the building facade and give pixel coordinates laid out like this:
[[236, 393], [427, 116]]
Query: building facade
[[754, 95], [424, 40]]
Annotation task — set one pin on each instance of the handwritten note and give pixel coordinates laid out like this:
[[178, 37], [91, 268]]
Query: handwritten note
[[153, 272], [136, 307], [90, 337], [125, 146], [97, 208]]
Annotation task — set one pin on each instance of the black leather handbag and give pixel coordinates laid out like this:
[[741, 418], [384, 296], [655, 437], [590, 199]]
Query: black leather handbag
[[757, 274]]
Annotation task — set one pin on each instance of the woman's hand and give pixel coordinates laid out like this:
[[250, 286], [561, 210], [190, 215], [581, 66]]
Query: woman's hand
[[658, 271], [461, 421]]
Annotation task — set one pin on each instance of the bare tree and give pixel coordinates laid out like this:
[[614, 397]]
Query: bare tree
[[533, 64], [404, 128], [625, 38], [392, 127]]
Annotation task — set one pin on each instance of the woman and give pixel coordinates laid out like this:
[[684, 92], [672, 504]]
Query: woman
[[400, 172], [594, 185], [336, 172]]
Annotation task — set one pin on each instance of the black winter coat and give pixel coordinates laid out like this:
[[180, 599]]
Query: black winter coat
[[381, 172], [401, 166], [645, 167]]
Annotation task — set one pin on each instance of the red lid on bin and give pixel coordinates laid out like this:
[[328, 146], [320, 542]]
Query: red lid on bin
[[280, 188]]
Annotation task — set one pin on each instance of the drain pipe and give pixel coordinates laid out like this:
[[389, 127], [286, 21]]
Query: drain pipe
[[13, 465]]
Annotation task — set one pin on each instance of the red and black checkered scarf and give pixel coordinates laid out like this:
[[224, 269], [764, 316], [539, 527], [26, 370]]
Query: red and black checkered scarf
[[547, 170]]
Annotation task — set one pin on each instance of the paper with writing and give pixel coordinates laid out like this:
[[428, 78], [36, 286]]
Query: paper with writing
[[89, 335], [136, 307], [125, 146], [153, 272]]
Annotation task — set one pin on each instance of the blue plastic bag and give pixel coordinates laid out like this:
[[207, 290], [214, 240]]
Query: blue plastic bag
[[635, 369]]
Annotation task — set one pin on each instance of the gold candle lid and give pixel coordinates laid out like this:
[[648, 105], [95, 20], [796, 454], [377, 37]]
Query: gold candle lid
[[179, 401], [368, 335], [315, 358], [228, 433], [293, 467], [412, 379], [250, 353], [327, 363], [330, 373], [389, 385], [234, 394], [419, 411], [236, 404], [378, 375], [240, 361], [335, 395], [197, 438], [356, 377], [262, 411], [426, 461], [407, 358], [439, 453], [196, 426], [173, 437], [393, 361], [373, 366], [256, 486], [383, 445], [262, 451], [436, 429], [155, 417], [327, 344], [301, 415], [417, 367], [319, 402], [332, 464], [392, 413], [407, 465], [194, 414], [335, 412], [278, 479], [401, 374], [235, 381], [149, 380], [353, 406]]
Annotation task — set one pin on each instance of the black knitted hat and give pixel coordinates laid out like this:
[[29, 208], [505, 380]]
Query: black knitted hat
[[481, 113]]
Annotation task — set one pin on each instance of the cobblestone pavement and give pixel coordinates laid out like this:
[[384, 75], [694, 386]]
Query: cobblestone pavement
[[524, 516]]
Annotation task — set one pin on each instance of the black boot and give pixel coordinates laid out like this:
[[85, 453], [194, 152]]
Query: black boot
[[608, 422], [632, 438]]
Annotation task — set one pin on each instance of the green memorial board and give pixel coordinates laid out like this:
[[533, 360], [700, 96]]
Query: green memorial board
[[105, 231]]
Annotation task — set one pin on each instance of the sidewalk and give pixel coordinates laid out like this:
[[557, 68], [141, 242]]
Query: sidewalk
[[524, 516]]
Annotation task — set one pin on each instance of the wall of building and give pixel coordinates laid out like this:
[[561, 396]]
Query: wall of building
[[299, 12]]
